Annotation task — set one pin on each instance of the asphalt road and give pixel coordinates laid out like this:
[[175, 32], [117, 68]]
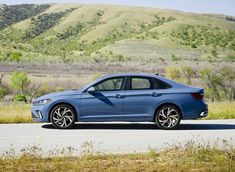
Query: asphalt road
[[114, 137]]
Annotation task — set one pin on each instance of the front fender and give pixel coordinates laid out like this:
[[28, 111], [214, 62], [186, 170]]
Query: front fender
[[75, 103]]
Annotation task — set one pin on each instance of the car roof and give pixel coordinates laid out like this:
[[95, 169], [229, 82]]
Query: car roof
[[130, 74]]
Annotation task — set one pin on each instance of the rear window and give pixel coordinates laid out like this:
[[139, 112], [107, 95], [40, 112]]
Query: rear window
[[161, 85]]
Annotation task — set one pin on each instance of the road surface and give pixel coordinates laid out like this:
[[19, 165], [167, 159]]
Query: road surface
[[114, 137]]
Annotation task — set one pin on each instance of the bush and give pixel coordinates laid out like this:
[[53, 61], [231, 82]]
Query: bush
[[2, 92], [174, 73], [15, 57], [44, 89], [20, 98], [230, 57]]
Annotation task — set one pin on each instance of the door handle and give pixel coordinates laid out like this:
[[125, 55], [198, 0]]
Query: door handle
[[119, 96], [154, 94]]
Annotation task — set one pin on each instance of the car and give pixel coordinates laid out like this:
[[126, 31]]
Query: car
[[123, 97]]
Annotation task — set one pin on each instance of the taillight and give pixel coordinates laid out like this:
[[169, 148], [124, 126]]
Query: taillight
[[197, 95]]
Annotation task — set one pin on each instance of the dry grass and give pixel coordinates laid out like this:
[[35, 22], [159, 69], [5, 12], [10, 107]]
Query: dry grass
[[21, 113], [15, 113], [190, 157], [221, 110]]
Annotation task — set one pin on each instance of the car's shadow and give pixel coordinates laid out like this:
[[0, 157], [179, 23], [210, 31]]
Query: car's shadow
[[139, 126]]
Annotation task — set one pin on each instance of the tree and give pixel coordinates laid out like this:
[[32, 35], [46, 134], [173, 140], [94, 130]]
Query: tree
[[189, 73], [213, 83], [228, 85], [19, 81]]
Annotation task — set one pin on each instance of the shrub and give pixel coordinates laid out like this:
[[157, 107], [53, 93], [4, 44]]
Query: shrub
[[58, 89], [15, 57], [2, 92], [20, 98], [96, 76], [174, 73], [230, 57], [44, 89]]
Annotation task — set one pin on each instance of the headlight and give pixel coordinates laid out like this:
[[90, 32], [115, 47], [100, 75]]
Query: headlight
[[41, 102]]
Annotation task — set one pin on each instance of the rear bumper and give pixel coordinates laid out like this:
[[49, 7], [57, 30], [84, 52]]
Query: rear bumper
[[204, 113], [198, 110]]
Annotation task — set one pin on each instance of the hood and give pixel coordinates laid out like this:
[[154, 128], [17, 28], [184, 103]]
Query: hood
[[59, 94]]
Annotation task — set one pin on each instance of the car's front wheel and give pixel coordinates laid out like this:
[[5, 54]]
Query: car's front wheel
[[168, 117], [63, 116]]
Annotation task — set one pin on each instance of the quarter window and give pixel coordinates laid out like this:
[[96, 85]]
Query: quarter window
[[113, 84], [161, 85], [141, 83]]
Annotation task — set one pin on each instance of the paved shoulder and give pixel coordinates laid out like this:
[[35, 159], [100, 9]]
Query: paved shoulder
[[114, 137]]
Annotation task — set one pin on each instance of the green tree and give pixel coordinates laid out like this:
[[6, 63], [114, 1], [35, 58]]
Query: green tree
[[188, 73], [19, 81]]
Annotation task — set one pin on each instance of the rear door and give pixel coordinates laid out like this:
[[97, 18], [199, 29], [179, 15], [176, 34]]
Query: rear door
[[141, 98]]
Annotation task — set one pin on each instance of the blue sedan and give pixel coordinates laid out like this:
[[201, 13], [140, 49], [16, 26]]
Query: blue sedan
[[123, 97]]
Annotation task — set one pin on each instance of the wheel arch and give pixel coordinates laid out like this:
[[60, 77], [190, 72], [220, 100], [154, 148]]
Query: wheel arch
[[62, 103], [164, 104]]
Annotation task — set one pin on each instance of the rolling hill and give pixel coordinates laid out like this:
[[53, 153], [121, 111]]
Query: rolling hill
[[79, 33]]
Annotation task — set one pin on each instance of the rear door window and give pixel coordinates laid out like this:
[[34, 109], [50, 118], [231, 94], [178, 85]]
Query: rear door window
[[141, 83]]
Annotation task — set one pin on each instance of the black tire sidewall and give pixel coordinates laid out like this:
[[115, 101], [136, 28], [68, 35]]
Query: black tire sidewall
[[157, 117], [73, 113]]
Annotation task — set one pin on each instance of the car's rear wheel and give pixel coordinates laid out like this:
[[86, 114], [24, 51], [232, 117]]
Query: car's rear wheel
[[168, 117], [63, 116]]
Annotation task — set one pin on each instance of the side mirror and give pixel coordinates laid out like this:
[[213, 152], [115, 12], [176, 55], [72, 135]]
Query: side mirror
[[91, 90]]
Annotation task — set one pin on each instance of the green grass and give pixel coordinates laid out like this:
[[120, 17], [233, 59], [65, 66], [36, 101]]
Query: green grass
[[190, 157], [21, 113]]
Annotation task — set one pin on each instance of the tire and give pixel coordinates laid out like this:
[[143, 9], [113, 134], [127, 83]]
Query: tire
[[63, 116], [168, 117]]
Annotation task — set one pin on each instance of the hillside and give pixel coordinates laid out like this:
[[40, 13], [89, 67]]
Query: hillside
[[79, 33]]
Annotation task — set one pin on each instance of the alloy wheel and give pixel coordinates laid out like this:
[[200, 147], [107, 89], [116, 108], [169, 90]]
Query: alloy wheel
[[168, 117], [62, 117]]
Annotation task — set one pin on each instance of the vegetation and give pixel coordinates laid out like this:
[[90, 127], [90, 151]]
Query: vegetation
[[15, 113], [16, 13], [65, 34], [195, 36], [19, 81], [218, 83], [189, 157], [221, 110], [43, 22]]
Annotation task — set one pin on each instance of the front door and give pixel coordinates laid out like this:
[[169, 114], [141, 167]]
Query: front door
[[105, 103]]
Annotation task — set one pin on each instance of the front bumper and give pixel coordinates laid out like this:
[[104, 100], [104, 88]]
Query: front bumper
[[40, 113]]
